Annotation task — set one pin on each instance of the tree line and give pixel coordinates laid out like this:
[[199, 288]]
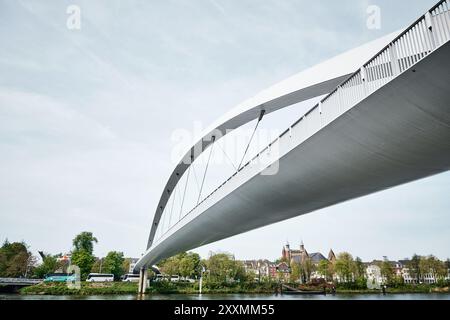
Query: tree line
[[16, 261], [351, 272], [218, 267]]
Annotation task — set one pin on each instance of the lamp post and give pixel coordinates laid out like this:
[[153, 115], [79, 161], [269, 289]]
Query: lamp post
[[201, 280]]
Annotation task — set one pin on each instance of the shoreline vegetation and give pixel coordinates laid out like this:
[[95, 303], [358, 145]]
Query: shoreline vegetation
[[208, 288], [222, 273]]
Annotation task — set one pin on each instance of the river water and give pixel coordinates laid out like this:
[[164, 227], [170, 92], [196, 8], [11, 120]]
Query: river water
[[412, 296]]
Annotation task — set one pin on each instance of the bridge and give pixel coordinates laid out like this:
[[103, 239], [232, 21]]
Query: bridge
[[385, 121], [18, 282]]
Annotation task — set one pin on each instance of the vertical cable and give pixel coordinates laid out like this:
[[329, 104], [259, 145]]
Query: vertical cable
[[251, 138], [206, 169], [184, 192]]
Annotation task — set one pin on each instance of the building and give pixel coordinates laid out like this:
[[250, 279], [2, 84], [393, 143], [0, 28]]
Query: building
[[301, 255], [283, 272], [262, 269]]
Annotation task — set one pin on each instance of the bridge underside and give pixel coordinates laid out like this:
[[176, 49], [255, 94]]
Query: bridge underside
[[398, 134]]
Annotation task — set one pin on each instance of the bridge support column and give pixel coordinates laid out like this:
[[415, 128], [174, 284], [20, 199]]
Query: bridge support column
[[142, 280]]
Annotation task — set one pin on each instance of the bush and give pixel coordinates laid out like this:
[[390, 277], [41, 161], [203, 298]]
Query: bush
[[359, 284]]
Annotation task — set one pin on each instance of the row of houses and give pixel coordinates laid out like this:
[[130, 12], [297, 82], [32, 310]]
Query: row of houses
[[265, 269]]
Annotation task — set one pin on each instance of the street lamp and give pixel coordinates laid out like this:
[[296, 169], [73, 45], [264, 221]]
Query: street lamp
[[201, 280]]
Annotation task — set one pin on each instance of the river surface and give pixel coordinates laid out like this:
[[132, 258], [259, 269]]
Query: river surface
[[403, 296]]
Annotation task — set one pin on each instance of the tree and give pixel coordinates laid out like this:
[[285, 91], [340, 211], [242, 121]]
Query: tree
[[360, 270], [49, 264], [84, 260], [183, 264], [344, 266], [306, 268], [97, 267], [387, 272], [189, 265], [82, 255], [84, 241], [126, 265], [295, 271], [15, 259], [324, 269], [414, 268], [171, 266], [113, 263], [222, 267], [433, 266]]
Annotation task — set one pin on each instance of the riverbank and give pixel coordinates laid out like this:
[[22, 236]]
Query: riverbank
[[112, 288], [87, 288], [107, 288]]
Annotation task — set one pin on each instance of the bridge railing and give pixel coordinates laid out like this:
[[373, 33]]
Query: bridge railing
[[426, 34], [20, 281]]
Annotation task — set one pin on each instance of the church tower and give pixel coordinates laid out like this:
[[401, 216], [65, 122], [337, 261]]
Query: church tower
[[286, 253], [331, 256]]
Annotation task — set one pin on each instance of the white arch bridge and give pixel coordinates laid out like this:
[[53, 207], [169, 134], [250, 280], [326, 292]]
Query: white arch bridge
[[384, 121]]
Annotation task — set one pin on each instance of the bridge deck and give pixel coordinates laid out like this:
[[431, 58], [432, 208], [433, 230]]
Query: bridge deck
[[395, 128]]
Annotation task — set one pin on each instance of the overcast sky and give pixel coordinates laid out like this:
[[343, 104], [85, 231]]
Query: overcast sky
[[86, 118]]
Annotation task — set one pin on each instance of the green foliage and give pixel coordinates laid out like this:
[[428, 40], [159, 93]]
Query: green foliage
[[84, 260], [344, 266], [396, 282], [387, 272], [183, 264], [86, 288], [15, 259], [434, 266], [324, 269], [414, 267], [84, 241], [360, 270], [359, 284], [113, 263], [167, 287], [82, 255], [301, 271], [189, 265], [295, 271], [49, 265], [222, 267], [126, 265]]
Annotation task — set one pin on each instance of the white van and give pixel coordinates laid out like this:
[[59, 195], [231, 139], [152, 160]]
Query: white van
[[175, 278], [161, 277], [131, 277], [100, 277]]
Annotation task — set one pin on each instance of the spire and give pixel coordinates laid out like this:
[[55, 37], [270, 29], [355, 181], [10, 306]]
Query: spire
[[302, 246], [331, 256]]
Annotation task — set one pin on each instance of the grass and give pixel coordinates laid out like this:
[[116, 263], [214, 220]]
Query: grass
[[87, 288], [165, 287], [211, 287]]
